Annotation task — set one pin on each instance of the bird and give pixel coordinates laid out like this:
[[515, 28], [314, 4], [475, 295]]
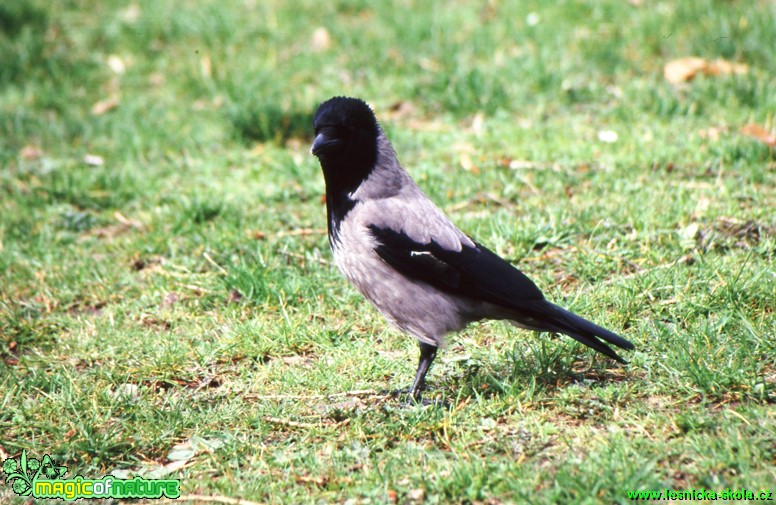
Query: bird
[[407, 258]]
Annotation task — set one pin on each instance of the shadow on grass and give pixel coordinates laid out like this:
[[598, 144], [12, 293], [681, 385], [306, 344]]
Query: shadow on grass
[[269, 122], [18, 15], [21, 49], [540, 368]]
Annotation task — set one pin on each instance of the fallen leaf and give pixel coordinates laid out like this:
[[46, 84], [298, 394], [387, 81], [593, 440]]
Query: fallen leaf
[[416, 495], [685, 69], [478, 123], [131, 13], [608, 136], [347, 405], [206, 66], [522, 165], [306, 479], [758, 132], [103, 106], [30, 153], [94, 160], [206, 444], [321, 40], [468, 164], [161, 471], [116, 64], [121, 473], [186, 450], [125, 391], [724, 67], [131, 223], [464, 157], [296, 360]]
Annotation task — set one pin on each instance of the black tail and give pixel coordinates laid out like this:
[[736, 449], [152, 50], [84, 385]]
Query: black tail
[[560, 320]]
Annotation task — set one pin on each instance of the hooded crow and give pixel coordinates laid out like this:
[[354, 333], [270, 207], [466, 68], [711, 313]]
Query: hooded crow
[[405, 255]]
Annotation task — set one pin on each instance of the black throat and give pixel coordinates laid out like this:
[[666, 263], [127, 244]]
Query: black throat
[[337, 207], [344, 172], [343, 178]]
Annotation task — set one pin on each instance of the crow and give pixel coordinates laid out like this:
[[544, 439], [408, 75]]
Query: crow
[[408, 259]]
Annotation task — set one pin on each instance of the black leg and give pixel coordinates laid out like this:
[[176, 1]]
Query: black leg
[[427, 355]]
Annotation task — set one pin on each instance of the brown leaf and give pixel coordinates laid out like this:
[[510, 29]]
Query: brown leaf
[[724, 67], [759, 133], [30, 153], [103, 106], [308, 479], [685, 69]]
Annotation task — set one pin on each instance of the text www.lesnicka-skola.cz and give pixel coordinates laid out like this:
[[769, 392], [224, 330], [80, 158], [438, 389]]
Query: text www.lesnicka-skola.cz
[[700, 494]]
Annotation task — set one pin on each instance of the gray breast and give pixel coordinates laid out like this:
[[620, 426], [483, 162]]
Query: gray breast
[[412, 306]]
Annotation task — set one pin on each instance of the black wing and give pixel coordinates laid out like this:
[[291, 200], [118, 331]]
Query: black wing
[[475, 272], [478, 273]]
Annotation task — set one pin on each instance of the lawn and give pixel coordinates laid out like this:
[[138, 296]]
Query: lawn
[[169, 307]]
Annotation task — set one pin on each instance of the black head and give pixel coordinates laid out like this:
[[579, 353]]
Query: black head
[[345, 141]]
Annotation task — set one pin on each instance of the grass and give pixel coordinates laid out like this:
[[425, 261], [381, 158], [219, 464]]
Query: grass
[[179, 287]]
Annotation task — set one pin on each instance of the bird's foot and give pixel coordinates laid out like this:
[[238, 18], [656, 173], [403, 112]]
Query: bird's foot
[[418, 401], [398, 393], [414, 398]]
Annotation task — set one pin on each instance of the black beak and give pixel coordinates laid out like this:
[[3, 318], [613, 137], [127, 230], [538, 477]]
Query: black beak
[[322, 143]]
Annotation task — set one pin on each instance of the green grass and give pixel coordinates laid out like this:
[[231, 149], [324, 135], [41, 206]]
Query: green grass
[[183, 289]]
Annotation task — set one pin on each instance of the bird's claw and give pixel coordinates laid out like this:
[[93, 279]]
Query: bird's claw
[[414, 398]]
